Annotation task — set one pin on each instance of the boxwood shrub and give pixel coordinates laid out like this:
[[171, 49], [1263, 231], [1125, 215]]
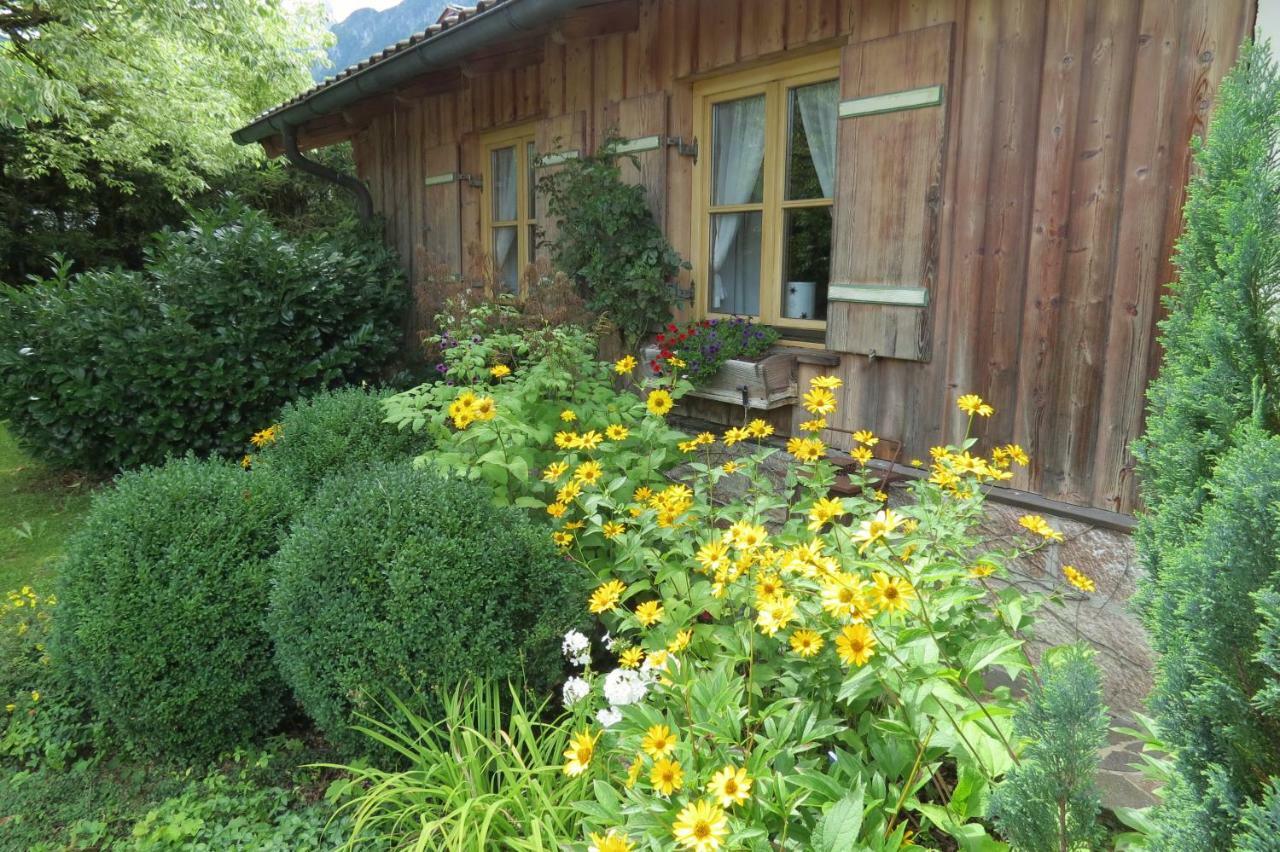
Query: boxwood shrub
[[162, 598], [228, 320], [333, 430], [394, 581]]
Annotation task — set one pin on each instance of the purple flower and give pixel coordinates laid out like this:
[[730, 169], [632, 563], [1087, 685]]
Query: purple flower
[[441, 368]]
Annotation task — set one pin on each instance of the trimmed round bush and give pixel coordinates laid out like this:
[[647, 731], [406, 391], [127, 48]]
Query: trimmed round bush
[[394, 581], [161, 606], [332, 431]]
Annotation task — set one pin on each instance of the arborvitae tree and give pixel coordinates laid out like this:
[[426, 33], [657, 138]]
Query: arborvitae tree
[[1210, 472], [1218, 339], [1049, 802]]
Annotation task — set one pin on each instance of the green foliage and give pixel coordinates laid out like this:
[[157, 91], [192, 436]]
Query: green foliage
[[230, 319], [1209, 536], [232, 809], [331, 431], [161, 606], [181, 75], [1219, 340], [393, 580], [608, 241], [1049, 801], [705, 346], [485, 775], [1260, 823], [507, 451], [1212, 687]]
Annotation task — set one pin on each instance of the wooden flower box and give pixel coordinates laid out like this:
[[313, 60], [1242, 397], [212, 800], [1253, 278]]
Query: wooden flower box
[[766, 383]]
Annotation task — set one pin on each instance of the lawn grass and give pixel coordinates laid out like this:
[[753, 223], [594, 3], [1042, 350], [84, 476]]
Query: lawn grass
[[39, 509]]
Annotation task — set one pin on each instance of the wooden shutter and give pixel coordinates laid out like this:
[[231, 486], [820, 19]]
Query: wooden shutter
[[557, 136], [890, 159], [442, 199], [642, 123]]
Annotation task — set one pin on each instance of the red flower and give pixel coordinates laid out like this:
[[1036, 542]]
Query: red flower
[[671, 327], [666, 353], [661, 338]]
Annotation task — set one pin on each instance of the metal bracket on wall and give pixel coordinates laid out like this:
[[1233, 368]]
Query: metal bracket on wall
[[683, 148]]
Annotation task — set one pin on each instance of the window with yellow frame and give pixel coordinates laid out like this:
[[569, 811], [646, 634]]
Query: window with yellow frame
[[764, 188], [509, 207]]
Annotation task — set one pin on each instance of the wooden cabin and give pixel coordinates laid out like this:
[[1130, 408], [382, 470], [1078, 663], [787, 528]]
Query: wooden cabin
[[927, 197]]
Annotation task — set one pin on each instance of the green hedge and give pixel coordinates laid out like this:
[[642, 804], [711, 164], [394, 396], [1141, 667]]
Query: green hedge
[[229, 319], [396, 581], [334, 430], [162, 598]]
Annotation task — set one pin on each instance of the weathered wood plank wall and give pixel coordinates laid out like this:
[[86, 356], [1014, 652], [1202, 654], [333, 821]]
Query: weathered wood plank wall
[[1068, 150]]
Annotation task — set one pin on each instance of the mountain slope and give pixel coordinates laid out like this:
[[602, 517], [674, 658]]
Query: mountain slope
[[366, 31]]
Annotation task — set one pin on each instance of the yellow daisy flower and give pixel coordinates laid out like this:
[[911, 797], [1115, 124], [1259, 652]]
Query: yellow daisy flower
[[631, 658], [972, 404], [554, 471], [579, 753], [568, 416], [624, 365], [612, 529], [730, 786], [806, 643], [855, 644], [666, 776], [815, 425], [701, 826], [556, 510], [891, 593], [1081, 581], [658, 741], [824, 511], [730, 467], [563, 539], [606, 597], [826, 382], [649, 613], [867, 437], [735, 435], [759, 429], [819, 401], [499, 371], [611, 842], [680, 642], [588, 471], [616, 432], [659, 402]]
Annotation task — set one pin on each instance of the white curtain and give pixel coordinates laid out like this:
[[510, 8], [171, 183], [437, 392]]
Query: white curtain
[[737, 155], [818, 113], [504, 184]]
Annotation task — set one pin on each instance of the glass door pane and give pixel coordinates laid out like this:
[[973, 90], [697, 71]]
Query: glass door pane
[[530, 155], [806, 265], [734, 278], [503, 168]]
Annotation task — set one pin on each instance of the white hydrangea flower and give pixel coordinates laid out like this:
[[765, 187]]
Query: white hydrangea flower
[[576, 648], [575, 689], [608, 717], [625, 686]]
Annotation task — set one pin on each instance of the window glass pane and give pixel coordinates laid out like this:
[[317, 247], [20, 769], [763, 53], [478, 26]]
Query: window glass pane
[[533, 242], [503, 167], [506, 259], [734, 279], [806, 265], [811, 140], [529, 156], [737, 151]]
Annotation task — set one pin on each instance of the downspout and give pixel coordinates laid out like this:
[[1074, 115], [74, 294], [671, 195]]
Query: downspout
[[364, 201]]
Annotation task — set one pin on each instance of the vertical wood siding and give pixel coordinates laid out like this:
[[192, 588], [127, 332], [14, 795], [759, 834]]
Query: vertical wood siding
[[1067, 157]]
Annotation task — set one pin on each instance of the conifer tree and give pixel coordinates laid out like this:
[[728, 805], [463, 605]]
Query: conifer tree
[[1210, 471]]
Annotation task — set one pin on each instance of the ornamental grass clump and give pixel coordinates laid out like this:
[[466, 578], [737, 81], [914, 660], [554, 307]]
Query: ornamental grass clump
[[161, 602], [395, 581]]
